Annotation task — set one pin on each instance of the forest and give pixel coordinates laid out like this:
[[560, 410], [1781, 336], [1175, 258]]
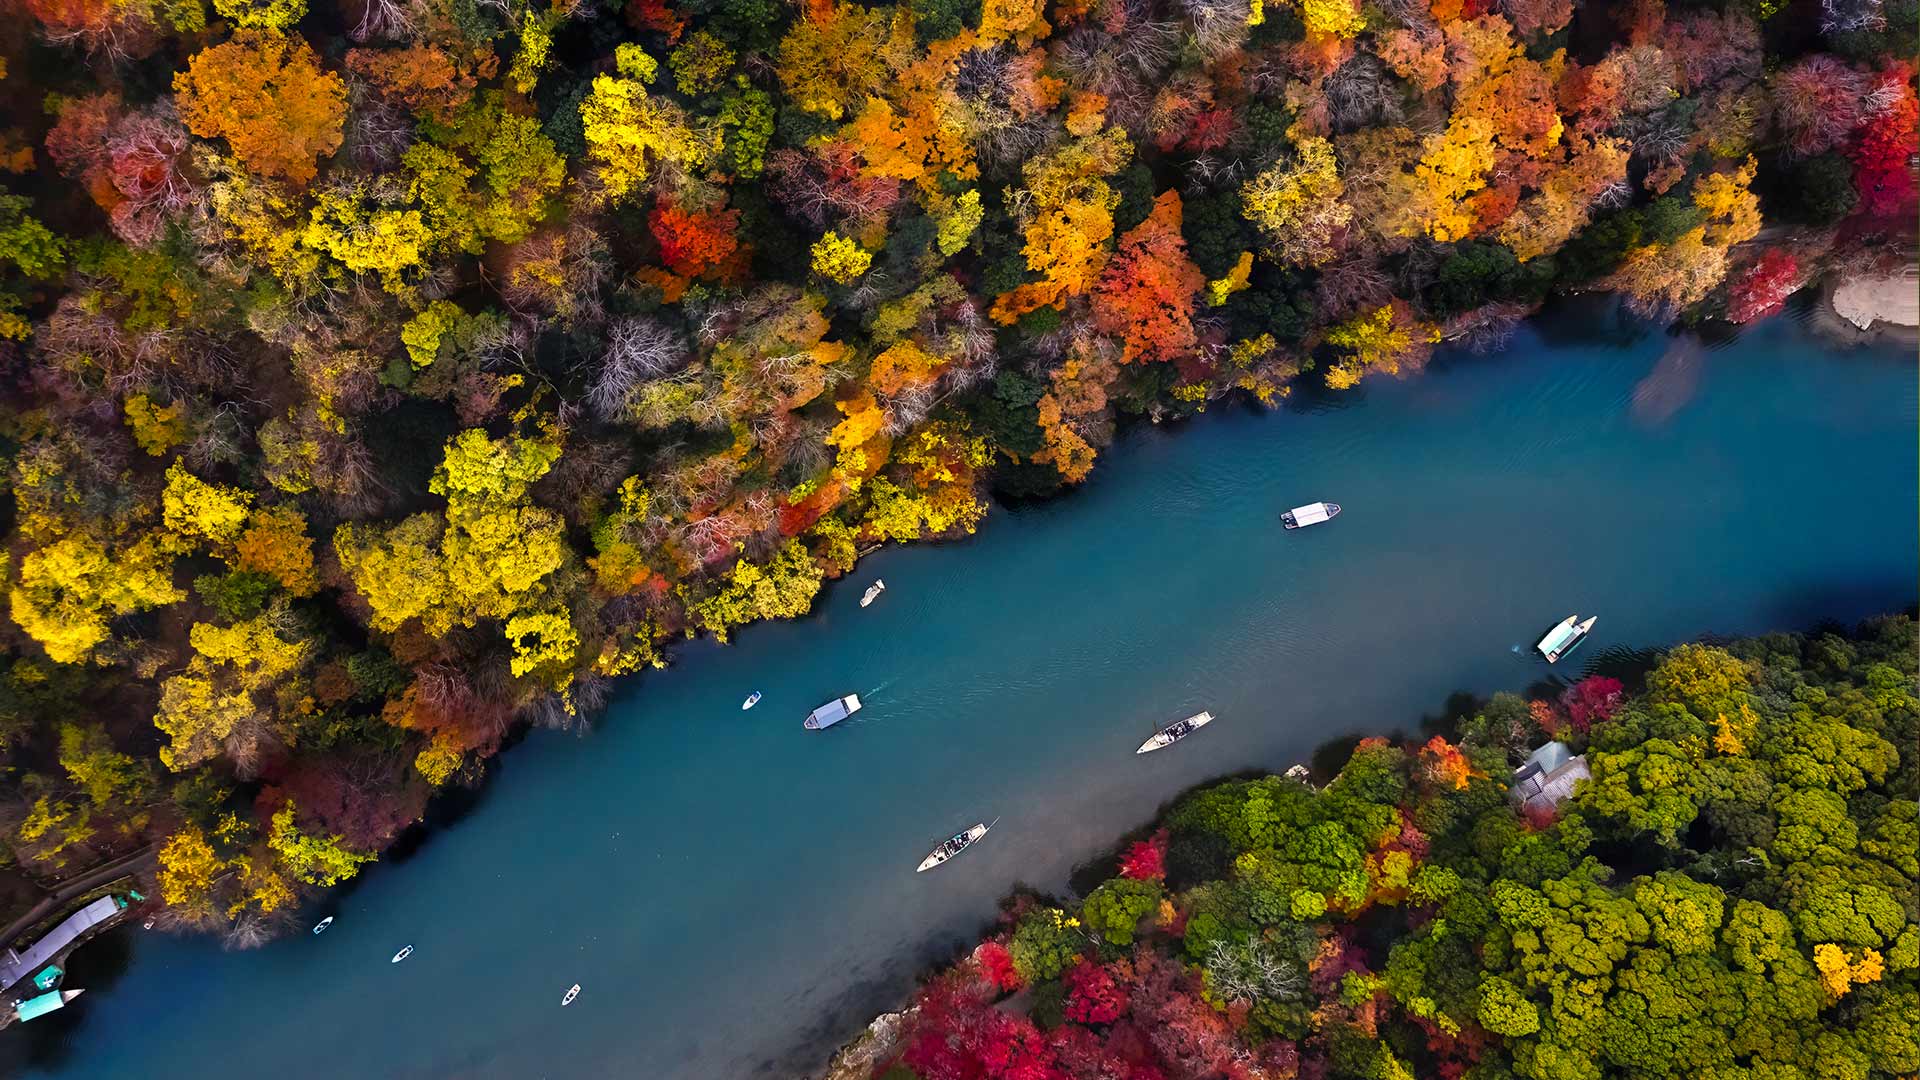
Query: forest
[[1732, 894], [385, 377]]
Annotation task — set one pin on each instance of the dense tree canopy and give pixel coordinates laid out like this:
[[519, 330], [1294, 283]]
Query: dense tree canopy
[[387, 374], [1704, 906]]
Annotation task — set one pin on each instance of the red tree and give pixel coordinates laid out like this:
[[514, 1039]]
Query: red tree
[[1764, 286], [1094, 996], [1888, 139], [1592, 700], [1146, 860], [696, 242], [997, 962]]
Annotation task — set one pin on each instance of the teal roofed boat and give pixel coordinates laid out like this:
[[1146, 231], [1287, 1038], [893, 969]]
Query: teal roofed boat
[[35, 1007], [48, 977], [1565, 635]]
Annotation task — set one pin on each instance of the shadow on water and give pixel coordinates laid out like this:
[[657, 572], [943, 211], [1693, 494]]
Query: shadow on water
[[96, 966]]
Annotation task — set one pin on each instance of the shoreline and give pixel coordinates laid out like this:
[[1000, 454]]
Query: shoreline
[[1868, 309], [1004, 990]]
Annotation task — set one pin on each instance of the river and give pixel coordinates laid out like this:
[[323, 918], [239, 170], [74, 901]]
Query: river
[[737, 896]]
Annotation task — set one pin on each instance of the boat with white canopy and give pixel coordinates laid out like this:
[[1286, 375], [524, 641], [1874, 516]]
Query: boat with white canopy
[[954, 845], [873, 592], [1174, 732], [1565, 636], [1311, 514], [832, 713]]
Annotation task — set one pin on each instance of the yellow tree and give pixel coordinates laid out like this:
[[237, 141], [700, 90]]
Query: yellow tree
[[236, 690], [198, 514], [1068, 207], [830, 60], [1298, 207], [70, 589], [632, 135]]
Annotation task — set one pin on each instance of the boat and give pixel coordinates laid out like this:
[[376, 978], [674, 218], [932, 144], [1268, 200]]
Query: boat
[[954, 845], [321, 926], [572, 992], [873, 591], [1311, 514], [832, 713], [1174, 732], [401, 955], [1565, 635], [752, 700]]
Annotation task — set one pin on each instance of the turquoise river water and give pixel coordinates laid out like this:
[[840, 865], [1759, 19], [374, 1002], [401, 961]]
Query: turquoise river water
[[737, 896]]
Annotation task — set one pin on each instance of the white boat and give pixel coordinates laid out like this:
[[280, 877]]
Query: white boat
[[321, 926], [572, 992], [1565, 635], [1311, 514], [953, 845], [752, 700], [873, 591], [1175, 731], [832, 713], [401, 955]]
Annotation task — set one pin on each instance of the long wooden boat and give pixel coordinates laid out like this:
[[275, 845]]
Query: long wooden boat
[[954, 845], [1174, 732]]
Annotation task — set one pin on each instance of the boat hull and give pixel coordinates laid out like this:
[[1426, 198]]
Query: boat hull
[[1311, 514], [942, 855], [1160, 740], [1566, 635], [832, 713]]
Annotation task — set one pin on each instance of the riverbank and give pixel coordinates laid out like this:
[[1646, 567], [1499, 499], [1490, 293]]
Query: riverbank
[[1873, 306], [1426, 911], [775, 912]]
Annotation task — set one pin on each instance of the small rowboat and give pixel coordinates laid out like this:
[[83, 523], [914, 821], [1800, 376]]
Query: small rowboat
[[321, 926], [1565, 636], [1174, 732], [873, 591], [401, 955], [954, 845], [752, 700], [1311, 514], [572, 992]]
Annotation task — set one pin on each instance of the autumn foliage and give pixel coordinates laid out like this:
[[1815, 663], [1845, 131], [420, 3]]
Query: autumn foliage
[[386, 376]]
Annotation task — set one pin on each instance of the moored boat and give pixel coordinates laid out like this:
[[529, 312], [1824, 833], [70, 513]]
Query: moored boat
[[954, 845], [321, 926], [572, 992], [832, 713], [1174, 732], [1565, 636], [1311, 514], [752, 700], [401, 955], [873, 591]]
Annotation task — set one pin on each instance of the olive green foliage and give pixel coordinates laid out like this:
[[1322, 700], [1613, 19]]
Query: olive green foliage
[[1733, 894]]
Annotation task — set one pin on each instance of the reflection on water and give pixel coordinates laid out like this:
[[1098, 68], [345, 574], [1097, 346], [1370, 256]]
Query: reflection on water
[[1671, 384]]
